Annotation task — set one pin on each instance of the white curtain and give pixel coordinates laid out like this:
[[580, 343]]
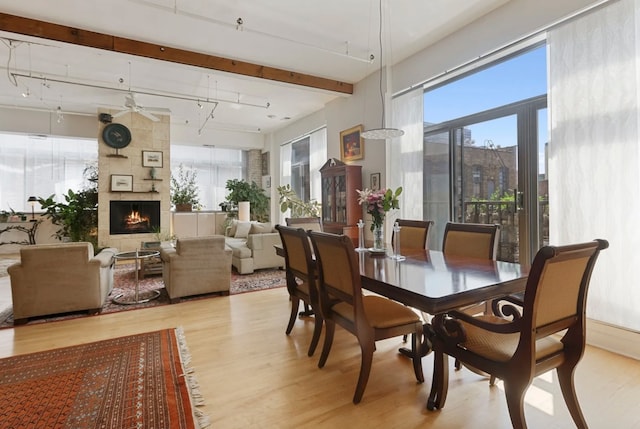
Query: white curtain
[[405, 154], [317, 158], [594, 148], [285, 174]]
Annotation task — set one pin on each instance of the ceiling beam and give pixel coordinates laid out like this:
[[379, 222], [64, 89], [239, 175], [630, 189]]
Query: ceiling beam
[[77, 36]]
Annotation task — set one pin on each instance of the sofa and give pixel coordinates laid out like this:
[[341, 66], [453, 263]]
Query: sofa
[[252, 246], [60, 278], [196, 265]]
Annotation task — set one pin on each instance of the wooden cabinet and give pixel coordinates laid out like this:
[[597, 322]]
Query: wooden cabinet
[[340, 208]]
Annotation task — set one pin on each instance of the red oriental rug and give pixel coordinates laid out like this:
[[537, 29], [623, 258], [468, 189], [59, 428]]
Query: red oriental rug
[[137, 381]]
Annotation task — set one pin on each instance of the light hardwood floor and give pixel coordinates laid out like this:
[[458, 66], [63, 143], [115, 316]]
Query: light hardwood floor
[[254, 376]]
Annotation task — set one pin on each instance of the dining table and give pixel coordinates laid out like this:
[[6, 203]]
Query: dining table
[[435, 283]]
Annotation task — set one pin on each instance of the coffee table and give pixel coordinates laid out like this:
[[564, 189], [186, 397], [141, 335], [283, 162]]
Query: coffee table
[[135, 298]]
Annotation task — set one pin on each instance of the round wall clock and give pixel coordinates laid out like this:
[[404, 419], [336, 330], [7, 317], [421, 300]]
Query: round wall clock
[[116, 135]]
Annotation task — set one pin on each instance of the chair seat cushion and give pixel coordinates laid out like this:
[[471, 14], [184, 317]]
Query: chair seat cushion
[[501, 347], [381, 312]]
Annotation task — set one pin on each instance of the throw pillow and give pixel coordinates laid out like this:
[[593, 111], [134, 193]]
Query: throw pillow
[[260, 228], [242, 230]]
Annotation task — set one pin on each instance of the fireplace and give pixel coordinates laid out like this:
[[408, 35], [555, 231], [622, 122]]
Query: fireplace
[[134, 217]]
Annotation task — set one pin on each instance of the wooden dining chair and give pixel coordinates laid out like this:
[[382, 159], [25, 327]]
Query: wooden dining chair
[[413, 234], [307, 223], [301, 278], [550, 334], [369, 317]]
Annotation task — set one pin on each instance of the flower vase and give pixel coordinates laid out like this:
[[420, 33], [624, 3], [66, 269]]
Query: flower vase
[[378, 237]]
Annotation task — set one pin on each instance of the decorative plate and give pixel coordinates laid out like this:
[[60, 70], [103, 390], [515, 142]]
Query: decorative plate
[[116, 136]]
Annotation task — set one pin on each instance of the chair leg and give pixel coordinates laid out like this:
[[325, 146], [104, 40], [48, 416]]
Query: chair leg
[[367, 349], [317, 329], [440, 382], [416, 347], [295, 302], [330, 328], [565, 377], [515, 402]]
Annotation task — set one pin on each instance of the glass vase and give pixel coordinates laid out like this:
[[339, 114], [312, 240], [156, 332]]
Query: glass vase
[[378, 237]]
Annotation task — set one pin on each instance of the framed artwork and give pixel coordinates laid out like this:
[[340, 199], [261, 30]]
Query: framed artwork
[[121, 183], [151, 158], [351, 144], [375, 182]]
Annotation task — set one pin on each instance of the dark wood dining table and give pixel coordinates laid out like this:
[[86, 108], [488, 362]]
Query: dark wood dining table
[[434, 283]]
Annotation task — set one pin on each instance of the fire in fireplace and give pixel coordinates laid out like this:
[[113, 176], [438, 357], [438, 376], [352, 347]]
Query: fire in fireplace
[[133, 217]]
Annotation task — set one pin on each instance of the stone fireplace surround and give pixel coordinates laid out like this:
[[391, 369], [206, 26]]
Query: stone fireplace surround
[[146, 135]]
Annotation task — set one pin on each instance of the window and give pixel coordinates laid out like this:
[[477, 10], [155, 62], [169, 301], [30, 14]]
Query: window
[[41, 166], [214, 166]]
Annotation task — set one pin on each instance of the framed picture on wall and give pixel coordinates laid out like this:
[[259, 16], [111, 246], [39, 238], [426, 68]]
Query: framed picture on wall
[[121, 183], [375, 182], [151, 158], [351, 144]]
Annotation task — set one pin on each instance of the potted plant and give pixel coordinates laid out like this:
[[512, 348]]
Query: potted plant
[[241, 190], [289, 200], [184, 190], [77, 216]]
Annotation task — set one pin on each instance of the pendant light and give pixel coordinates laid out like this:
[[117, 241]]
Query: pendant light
[[384, 132]]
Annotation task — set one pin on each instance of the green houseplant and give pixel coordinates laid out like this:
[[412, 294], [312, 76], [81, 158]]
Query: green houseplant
[[184, 190], [241, 190], [289, 200], [77, 216]]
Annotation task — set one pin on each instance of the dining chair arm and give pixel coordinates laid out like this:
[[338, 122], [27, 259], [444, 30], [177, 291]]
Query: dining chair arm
[[488, 323]]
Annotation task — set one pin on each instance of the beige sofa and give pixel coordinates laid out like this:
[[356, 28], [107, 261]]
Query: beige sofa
[[195, 266], [252, 246], [60, 278]]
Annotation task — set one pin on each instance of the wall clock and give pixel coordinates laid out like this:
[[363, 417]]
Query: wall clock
[[116, 136]]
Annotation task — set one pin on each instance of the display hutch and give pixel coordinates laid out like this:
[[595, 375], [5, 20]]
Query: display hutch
[[340, 208]]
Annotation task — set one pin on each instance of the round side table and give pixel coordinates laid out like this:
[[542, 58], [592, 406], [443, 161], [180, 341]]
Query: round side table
[[135, 298]]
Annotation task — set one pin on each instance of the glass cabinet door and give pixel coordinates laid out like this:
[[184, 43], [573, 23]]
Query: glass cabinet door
[[327, 199]]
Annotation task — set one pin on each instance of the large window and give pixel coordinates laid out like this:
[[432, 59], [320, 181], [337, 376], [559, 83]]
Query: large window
[[214, 166], [41, 166]]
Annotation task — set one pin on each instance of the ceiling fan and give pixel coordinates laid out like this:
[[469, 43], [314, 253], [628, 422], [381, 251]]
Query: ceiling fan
[[133, 106]]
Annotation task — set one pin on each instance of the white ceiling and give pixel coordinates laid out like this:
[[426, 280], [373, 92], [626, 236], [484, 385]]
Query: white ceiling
[[330, 38]]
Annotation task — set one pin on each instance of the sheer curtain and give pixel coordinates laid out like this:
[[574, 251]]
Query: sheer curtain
[[594, 148], [405, 154], [317, 158]]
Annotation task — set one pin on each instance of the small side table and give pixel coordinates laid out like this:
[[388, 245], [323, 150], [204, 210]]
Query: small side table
[[137, 256]]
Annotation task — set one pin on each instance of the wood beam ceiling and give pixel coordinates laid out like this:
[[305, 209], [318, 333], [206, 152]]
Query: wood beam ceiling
[[77, 36]]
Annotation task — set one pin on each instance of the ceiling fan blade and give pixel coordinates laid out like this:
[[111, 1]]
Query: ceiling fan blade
[[120, 113], [148, 115]]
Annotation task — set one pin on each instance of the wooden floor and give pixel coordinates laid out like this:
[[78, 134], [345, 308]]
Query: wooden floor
[[254, 376]]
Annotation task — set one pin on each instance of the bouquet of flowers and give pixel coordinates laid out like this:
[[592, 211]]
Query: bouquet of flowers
[[379, 203]]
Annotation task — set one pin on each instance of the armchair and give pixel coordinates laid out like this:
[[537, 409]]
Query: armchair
[[60, 278], [196, 266], [549, 334]]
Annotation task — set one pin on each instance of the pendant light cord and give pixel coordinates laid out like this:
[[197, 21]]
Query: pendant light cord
[[381, 64]]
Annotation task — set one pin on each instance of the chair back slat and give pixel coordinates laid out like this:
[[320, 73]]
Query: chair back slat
[[413, 233], [472, 240], [557, 285]]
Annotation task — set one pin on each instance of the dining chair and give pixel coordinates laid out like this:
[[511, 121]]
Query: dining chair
[[369, 317], [307, 223], [413, 234], [300, 278], [550, 334]]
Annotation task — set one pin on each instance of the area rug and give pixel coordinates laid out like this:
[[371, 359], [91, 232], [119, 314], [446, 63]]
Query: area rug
[[124, 281], [137, 381]]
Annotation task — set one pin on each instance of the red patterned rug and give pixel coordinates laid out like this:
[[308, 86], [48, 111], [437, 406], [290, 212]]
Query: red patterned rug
[[124, 281], [138, 381]]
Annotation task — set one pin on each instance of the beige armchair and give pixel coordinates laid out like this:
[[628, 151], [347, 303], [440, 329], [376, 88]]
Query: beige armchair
[[60, 278], [195, 266]]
